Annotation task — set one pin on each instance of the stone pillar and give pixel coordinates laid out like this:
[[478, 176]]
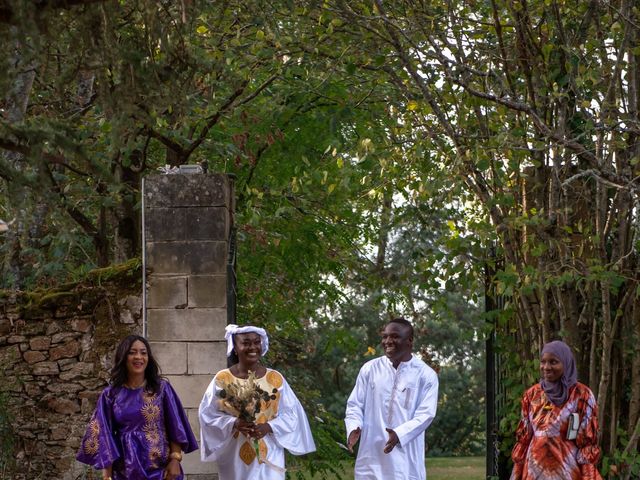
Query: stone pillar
[[187, 225]]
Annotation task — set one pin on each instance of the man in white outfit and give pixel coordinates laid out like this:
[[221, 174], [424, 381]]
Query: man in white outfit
[[392, 404]]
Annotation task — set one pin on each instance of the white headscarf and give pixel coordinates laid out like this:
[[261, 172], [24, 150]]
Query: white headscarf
[[232, 329]]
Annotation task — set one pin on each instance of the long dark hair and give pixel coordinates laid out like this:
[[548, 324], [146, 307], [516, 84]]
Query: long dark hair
[[119, 372]]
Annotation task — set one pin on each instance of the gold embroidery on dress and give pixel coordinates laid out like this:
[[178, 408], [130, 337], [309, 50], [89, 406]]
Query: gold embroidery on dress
[[223, 378], [274, 378], [151, 434], [262, 450], [151, 414], [92, 443], [247, 453], [155, 454]]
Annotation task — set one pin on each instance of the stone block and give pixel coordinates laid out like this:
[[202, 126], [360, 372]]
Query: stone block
[[32, 390], [11, 355], [190, 388], [67, 363], [171, 356], [40, 343], [207, 357], [77, 371], [198, 324], [186, 223], [126, 317], [59, 388], [63, 337], [192, 465], [191, 462], [53, 327], [200, 257], [194, 421], [59, 433], [166, 292], [64, 406], [66, 350], [165, 224], [187, 190], [206, 476], [207, 291], [32, 356], [81, 325], [46, 368]]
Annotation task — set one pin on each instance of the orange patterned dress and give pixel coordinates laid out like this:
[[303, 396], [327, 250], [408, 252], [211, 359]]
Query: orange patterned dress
[[542, 451]]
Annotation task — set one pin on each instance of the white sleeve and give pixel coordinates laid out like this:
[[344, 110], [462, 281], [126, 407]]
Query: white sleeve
[[216, 426], [290, 427], [354, 415], [424, 414]]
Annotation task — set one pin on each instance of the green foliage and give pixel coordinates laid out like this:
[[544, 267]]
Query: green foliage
[[353, 205]]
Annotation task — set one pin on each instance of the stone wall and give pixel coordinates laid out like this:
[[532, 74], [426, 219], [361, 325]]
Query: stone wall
[[187, 223], [56, 349], [56, 346]]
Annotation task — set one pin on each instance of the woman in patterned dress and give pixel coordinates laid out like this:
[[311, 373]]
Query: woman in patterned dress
[[139, 429], [251, 448], [546, 447]]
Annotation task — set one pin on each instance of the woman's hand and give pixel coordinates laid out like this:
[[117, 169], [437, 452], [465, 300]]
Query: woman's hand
[[244, 427], [106, 473], [173, 470], [260, 430]]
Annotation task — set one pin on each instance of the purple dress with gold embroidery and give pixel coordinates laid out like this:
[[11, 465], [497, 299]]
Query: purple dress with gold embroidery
[[131, 429]]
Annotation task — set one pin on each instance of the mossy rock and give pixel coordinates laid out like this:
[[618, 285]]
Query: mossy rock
[[93, 287]]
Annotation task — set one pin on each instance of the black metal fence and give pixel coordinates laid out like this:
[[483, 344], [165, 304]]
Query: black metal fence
[[497, 463]]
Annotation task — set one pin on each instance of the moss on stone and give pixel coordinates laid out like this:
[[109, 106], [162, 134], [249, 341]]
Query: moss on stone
[[35, 303], [127, 271]]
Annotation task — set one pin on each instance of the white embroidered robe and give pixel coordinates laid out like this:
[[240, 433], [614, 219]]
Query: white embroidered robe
[[285, 415]]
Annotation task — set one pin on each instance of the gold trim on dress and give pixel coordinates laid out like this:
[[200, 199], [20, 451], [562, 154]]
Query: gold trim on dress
[[223, 378], [274, 378], [262, 450], [92, 443]]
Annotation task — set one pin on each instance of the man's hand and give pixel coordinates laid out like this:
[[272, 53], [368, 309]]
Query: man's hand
[[354, 436], [392, 442]]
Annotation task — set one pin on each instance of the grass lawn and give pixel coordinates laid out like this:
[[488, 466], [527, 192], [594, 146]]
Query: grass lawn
[[443, 468], [456, 468]]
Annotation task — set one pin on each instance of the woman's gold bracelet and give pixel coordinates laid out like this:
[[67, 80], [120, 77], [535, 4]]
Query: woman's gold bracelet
[[176, 455]]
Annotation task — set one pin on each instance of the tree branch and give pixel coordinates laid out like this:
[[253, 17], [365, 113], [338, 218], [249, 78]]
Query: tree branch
[[213, 119]]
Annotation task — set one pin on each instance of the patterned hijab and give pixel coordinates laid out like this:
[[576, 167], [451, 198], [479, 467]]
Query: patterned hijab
[[558, 392], [232, 329]]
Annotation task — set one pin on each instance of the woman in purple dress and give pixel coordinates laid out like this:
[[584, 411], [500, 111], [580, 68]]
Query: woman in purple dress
[[139, 428]]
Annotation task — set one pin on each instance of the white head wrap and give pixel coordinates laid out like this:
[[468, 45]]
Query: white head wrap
[[232, 329]]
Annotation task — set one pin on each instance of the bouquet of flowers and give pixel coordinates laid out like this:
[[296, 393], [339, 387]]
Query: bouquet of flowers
[[244, 400]]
